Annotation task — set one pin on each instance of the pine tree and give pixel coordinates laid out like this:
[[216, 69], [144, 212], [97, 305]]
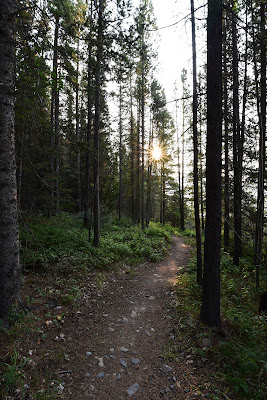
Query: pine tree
[[210, 309], [9, 235]]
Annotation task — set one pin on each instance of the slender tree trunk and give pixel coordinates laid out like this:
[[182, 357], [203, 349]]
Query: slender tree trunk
[[148, 200], [78, 154], [132, 151], [138, 165], [210, 309], [201, 179], [195, 141], [57, 149], [226, 146], [97, 123], [54, 122], [163, 194], [161, 191], [88, 132], [261, 101], [143, 136], [57, 138], [178, 161], [182, 180], [20, 172], [120, 152], [243, 121], [9, 232], [87, 155], [236, 149], [149, 176]]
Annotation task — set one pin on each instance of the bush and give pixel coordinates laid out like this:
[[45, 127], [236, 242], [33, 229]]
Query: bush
[[240, 359], [63, 241]]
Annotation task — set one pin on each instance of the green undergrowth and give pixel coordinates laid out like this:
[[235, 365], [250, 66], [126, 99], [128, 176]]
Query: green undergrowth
[[63, 241], [58, 259], [237, 352]]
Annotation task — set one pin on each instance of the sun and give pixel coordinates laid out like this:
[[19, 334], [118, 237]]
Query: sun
[[156, 153]]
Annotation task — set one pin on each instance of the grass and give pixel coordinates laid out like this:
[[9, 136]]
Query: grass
[[59, 257], [63, 241], [239, 355], [59, 262]]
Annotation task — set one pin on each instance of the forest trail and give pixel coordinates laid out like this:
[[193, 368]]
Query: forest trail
[[116, 342]]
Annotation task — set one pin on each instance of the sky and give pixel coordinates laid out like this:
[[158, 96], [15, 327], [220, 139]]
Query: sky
[[175, 51]]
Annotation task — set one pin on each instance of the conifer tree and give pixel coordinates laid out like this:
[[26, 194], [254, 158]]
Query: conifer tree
[[9, 233], [210, 309]]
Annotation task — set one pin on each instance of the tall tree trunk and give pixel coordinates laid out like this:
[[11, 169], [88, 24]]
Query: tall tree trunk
[[195, 142], [120, 152], [88, 131], [9, 232], [54, 122], [201, 179], [138, 164], [132, 151], [97, 123], [143, 135], [226, 146], [261, 105], [161, 191], [236, 147], [78, 154], [163, 194], [182, 178], [210, 309], [149, 175], [243, 121], [57, 149], [178, 162]]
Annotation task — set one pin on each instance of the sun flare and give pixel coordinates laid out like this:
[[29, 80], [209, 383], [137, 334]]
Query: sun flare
[[156, 153]]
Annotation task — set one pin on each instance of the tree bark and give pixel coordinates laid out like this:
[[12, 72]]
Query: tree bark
[[236, 148], [9, 232], [78, 154], [210, 309], [201, 180], [88, 131], [261, 100], [195, 142], [132, 151], [149, 175], [138, 164], [182, 169], [97, 124], [226, 146], [178, 162], [163, 194], [53, 123], [143, 134], [120, 151]]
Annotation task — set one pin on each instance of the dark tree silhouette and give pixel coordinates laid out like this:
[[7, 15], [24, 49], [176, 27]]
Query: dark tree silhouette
[[9, 240], [195, 141], [210, 310], [97, 124]]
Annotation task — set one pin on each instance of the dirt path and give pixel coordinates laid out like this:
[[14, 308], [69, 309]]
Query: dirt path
[[115, 344]]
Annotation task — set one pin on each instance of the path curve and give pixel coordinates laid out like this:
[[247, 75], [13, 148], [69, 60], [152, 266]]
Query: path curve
[[117, 341]]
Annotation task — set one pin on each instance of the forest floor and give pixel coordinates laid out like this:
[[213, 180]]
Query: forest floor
[[119, 341]]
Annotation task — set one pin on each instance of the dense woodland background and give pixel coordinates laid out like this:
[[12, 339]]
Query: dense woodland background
[[89, 110]]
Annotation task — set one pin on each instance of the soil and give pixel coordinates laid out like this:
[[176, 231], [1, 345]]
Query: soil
[[116, 343]]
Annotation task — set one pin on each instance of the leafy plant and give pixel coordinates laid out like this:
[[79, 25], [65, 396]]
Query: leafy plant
[[239, 359], [13, 376], [63, 241]]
